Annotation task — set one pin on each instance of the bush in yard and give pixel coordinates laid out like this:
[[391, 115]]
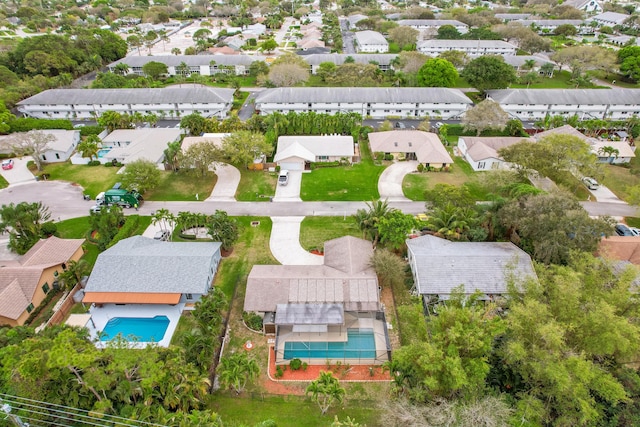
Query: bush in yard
[[295, 364], [279, 372], [252, 320], [94, 163], [48, 229], [388, 156], [420, 167]]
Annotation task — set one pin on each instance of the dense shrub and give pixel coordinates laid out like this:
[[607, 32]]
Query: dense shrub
[[25, 124], [279, 372], [127, 229], [90, 130], [49, 228], [94, 163], [252, 320], [295, 364], [36, 311], [318, 165]]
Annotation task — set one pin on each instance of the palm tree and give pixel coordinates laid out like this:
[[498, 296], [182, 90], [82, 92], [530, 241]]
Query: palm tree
[[236, 370], [90, 147], [122, 69], [449, 221], [176, 51], [162, 34], [164, 219], [74, 272], [611, 152], [326, 391], [529, 64], [368, 220]]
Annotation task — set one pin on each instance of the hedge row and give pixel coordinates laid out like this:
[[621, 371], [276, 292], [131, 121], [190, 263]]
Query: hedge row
[[130, 225]]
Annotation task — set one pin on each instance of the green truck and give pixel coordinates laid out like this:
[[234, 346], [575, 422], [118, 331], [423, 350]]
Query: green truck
[[120, 197]]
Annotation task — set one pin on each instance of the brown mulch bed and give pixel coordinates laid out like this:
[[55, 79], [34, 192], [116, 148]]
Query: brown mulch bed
[[295, 382]]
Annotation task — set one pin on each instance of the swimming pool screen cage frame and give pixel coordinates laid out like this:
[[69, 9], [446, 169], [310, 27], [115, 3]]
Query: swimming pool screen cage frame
[[333, 332]]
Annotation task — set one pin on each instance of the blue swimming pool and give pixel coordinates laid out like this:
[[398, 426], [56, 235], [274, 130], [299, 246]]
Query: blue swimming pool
[[141, 329], [102, 152], [360, 344]]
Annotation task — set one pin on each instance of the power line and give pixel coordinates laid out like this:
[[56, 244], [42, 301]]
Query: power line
[[32, 406]]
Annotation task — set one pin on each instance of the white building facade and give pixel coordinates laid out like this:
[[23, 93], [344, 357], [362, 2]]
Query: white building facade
[[472, 48]]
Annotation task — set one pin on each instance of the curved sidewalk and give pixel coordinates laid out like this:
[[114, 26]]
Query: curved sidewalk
[[227, 184], [390, 181], [285, 242]]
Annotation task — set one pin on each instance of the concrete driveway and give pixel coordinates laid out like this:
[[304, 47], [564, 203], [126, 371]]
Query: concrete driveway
[[19, 173], [604, 195], [285, 242], [227, 184], [390, 181], [291, 191]]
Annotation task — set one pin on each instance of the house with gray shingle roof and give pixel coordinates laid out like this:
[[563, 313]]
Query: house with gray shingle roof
[[24, 283], [374, 102], [139, 270], [439, 266], [425, 147], [314, 308], [536, 104], [482, 152], [86, 104]]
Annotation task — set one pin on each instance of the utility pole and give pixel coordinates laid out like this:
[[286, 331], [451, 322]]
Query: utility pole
[[6, 408]]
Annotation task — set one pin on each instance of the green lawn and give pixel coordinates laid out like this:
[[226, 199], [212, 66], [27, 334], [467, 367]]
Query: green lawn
[[182, 187], [290, 411], [415, 184], [256, 186], [315, 230], [77, 228], [343, 183], [3, 182], [93, 179], [618, 179]]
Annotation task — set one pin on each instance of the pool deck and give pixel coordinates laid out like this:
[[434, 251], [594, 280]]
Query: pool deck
[[101, 315]]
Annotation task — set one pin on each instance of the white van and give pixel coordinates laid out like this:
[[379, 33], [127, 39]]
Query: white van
[[283, 177]]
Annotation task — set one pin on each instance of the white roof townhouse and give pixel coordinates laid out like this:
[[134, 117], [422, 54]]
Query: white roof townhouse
[[545, 26], [371, 41], [535, 104], [472, 48], [85, 104], [374, 102], [432, 25], [204, 65], [520, 62], [382, 60], [610, 18], [508, 17], [128, 145]]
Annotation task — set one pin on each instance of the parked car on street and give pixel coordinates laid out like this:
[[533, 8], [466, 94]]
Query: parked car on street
[[7, 164], [623, 230]]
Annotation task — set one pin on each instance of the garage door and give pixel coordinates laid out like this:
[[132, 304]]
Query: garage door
[[292, 166]]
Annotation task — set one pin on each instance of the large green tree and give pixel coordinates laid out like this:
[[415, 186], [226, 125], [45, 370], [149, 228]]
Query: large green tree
[[437, 72], [489, 72], [223, 229], [244, 147], [483, 116], [141, 175], [24, 223], [326, 391]]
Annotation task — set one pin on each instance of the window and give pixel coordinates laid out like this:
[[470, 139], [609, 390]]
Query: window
[[481, 165], [55, 273], [395, 144], [45, 288], [30, 308], [44, 157], [57, 156], [188, 296]]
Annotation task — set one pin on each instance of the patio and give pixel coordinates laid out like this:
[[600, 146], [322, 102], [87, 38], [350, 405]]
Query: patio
[[101, 315]]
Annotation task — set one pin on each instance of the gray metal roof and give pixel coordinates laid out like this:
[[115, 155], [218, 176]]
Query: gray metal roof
[[520, 60], [566, 96], [143, 265], [442, 265], [466, 43], [359, 58], [512, 16], [618, 18], [309, 314], [168, 95], [370, 37], [550, 22], [361, 94], [191, 60]]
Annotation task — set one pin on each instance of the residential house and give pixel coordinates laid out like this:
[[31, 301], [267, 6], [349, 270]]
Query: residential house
[[25, 282], [383, 61], [536, 104], [298, 152], [621, 248], [431, 26], [623, 40], [482, 152], [371, 42], [374, 102], [625, 152], [548, 26], [128, 145], [610, 19], [309, 43], [425, 147], [472, 48], [318, 312], [354, 19], [589, 6], [521, 62], [440, 267], [62, 145], [204, 65]]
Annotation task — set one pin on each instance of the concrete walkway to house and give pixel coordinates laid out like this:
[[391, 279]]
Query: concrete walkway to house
[[390, 181], [603, 194], [227, 184], [285, 242], [20, 173], [291, 191]]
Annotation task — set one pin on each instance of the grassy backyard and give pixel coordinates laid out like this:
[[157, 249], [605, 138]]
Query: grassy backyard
[[256, 186], [182, 187], [619, 178], [93, 179], [315, 230]]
